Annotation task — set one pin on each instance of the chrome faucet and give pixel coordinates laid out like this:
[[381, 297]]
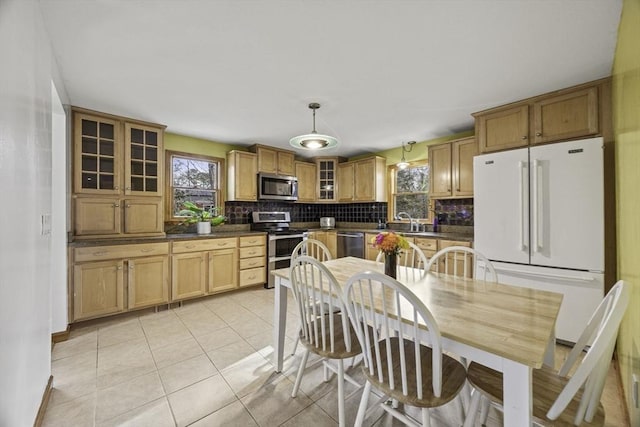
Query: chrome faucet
[[413, 224]]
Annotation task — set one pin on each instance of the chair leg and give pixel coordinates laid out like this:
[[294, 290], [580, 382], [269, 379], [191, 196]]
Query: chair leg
[[295, 344], [484, 409], [472, 411], [303, 364], [341, 417], [362, 409], [426, 418]]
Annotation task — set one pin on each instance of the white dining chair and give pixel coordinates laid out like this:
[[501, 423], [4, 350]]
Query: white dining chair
[[313, 248], [397, 364], [464, 262], [326, 330], [560, 400], [412, 263]]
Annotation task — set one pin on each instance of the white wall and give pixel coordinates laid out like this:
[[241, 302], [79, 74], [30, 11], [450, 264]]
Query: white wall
[[25, 185]]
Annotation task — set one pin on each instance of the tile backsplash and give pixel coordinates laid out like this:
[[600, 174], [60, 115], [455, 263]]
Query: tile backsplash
[[455, 211], [238, 212]]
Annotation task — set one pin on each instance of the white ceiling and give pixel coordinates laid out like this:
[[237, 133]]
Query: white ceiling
[[243, 72]]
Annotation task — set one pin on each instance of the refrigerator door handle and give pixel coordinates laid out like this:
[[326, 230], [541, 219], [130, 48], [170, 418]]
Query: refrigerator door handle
[[524, 198], [536, 226], [549, 275]]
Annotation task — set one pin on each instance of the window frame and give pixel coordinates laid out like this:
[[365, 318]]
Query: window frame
[[392, 183], [168, 182]]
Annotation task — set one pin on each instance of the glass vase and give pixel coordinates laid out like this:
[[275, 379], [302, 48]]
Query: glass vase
[[390, 263]]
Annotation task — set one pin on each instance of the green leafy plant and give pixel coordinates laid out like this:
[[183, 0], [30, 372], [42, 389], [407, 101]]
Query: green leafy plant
[[194, 214]]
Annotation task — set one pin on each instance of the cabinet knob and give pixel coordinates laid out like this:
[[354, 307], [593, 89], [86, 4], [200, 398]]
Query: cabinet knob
[[115, 205], [128, 188], [130, 267], [116, 188], [128, 206], [538, 133], [524, 137], [119, 267]]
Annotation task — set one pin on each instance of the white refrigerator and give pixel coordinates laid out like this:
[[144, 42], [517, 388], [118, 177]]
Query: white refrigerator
[[539, 217]]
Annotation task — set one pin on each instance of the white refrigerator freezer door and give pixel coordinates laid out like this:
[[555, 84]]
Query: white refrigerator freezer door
[[567, 205], [582, 292], [501, 207]]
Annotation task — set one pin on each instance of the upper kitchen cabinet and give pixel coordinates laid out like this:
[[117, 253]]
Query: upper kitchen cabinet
[[362, 180], [242, 180], [327, 178], [117, 176], [271, 160], [576, 112], [306, 174], [451, 166]]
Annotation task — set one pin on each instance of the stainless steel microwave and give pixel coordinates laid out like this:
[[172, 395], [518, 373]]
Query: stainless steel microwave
[[277, 187]]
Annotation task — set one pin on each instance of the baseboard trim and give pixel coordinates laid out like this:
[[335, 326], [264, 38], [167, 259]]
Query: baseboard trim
[[44, 403], [61, 336]]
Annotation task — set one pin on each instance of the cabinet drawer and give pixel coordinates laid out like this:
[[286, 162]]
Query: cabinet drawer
[[427, 244], [252, 263], [97, 253], [447, 243], [252, 251], [204, 245], [253, 276], [252, 241]]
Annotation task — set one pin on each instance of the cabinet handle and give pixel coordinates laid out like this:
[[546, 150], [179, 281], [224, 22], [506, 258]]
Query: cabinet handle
[[99, 253], [190, 246], [146, 250], [253, 276], [115, 205], [524, 137], [538, 133], [223, 244]]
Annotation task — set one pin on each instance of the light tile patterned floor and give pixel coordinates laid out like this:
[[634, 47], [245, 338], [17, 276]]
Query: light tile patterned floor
[[208, 363]]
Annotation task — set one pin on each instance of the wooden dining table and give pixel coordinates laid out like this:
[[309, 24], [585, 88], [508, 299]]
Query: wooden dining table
[[507, 328]]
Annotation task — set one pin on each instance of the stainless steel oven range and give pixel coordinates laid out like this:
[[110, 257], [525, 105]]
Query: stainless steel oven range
[[281, 239]]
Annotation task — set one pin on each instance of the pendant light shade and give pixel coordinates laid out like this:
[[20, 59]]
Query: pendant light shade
[[403, 163], [313, 140]]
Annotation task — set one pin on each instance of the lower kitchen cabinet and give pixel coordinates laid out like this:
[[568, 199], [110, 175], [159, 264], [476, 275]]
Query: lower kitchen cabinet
[[252, 268], [203, 266], [223, 270], [101, 287], [459, 265], [370, 252], [329, 238], [148, 280], [188, 277], [98, 289]]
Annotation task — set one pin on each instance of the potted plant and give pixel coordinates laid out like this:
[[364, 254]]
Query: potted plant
[[202, 217]]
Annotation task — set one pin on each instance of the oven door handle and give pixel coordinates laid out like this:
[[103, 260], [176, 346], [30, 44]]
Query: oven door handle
[[287, 236], [279, 258]]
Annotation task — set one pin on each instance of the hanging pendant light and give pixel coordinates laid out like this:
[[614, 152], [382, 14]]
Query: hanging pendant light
[[313, 140], [403, 163]]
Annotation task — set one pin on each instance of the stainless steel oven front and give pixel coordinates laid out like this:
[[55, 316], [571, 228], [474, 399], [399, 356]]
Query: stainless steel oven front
[[281, 246]]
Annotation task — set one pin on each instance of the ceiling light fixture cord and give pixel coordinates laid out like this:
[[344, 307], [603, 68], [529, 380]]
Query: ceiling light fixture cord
[[403, 163]]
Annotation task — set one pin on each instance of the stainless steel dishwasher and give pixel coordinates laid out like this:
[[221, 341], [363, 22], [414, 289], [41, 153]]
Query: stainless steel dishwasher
[[350, 243]]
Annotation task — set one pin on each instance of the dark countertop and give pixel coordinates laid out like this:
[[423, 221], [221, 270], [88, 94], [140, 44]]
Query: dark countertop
[[161, 239], [462, 237]]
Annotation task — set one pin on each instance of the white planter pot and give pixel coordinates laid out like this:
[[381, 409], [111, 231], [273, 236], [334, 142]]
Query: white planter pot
[[204, 228]]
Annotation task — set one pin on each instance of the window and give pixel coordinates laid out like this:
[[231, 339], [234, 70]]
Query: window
[[192, 178], [410, 191]]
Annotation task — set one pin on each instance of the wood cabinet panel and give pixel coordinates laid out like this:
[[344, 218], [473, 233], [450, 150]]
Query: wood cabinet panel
[[253, 251], [98, 289], [370, 252], [143, 215], [566, 116], [98, 253], [503, 129], [242, 180], [148, 281], [144, 156], [440, 170], [188, 276], [204, 245], [271, 160], [306, 174], [286, 163], [223, 270], [96, 216], [463, 152], [248, 263], [253, 276], [256, 240], [345, 182]]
